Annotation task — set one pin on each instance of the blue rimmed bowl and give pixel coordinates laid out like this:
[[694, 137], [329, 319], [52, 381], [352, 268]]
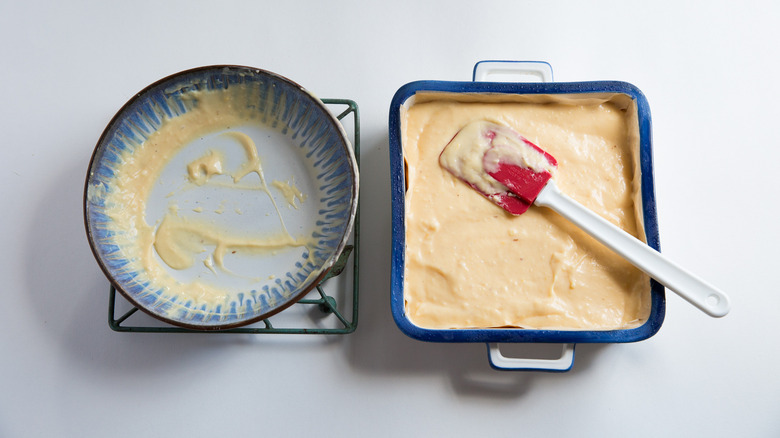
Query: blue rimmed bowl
[[406, 96], [299, 142]]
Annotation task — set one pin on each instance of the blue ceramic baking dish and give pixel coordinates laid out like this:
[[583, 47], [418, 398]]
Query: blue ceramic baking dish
[[496, 335]]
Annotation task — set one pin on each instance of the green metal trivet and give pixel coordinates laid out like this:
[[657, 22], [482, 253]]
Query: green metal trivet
[[327, 304]]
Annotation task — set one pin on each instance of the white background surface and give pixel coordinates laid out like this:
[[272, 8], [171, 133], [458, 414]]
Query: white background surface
[[709, 70]]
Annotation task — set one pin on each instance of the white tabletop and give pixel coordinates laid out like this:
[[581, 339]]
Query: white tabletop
[[708, 70]]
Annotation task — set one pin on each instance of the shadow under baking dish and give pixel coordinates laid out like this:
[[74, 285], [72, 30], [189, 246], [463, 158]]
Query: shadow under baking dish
[[405, 95]]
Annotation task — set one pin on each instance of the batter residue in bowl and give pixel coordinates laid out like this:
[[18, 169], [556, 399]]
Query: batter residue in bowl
[[177, 240], [174, 242]]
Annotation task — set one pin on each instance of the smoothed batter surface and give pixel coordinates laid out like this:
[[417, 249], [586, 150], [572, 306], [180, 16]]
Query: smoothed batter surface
[[470, 264]]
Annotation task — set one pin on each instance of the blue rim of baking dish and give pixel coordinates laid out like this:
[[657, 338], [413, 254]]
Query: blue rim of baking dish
[[397, 187]]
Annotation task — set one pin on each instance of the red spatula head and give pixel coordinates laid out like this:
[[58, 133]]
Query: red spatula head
[[510, 202], [524, 182], [499, 163]]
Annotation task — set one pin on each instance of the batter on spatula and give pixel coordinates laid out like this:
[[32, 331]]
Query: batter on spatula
[[479, 147]]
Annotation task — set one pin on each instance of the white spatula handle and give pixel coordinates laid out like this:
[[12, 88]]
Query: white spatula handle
[[695, 290]]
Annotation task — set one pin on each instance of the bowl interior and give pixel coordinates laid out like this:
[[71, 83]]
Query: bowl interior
[[219, 196]]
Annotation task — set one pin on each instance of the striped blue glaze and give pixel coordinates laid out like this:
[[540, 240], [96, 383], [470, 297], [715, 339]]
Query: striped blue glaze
[[276, 102]]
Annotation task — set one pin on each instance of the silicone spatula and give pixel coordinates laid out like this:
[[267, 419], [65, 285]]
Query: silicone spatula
[[463, 157], [510, 160]]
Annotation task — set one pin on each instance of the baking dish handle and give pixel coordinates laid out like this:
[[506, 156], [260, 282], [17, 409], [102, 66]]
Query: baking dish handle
[[559, 365], [521, 71], [512, 71]]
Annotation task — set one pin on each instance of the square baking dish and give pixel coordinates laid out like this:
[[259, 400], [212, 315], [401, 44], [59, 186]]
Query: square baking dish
[[474, 90]]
